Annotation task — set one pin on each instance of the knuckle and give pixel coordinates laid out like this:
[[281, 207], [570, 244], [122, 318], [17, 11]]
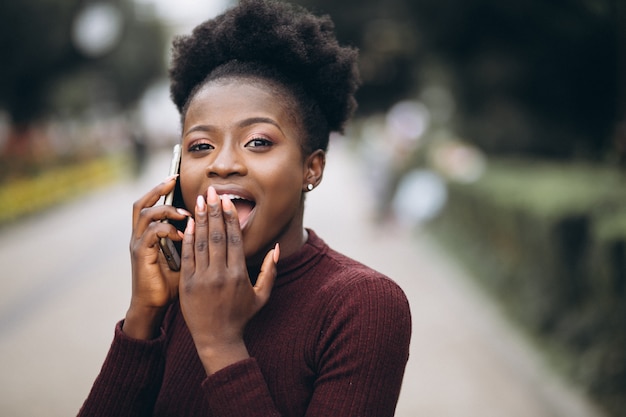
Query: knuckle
[[216, 237], [189, 285], [235, 239], [218, 282], [200, 219], [137, 206], [201, 246], [154, 227], [240, 272], [231, 219], [143, 212]]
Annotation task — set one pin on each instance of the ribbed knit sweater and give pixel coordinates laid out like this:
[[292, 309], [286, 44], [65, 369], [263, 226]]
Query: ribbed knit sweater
[[333, 340]]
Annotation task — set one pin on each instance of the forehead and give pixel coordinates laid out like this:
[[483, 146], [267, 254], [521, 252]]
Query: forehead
[[244, 94]]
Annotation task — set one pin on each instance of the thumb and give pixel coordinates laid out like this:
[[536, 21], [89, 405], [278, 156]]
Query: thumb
[[267, 276]]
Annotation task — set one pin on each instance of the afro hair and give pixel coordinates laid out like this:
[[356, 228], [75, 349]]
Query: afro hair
[[281, 37]]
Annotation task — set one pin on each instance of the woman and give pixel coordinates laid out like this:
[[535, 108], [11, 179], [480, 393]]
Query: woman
[[236, 332]]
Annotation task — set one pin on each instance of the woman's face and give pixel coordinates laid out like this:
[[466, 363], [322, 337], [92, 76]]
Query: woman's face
[[239, 137]]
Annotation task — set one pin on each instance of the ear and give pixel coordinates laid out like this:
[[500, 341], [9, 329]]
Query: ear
[[313, 169]]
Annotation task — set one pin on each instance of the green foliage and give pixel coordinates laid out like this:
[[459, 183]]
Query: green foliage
[[551, 190], [549, 240], [26, 196], [530, 78]]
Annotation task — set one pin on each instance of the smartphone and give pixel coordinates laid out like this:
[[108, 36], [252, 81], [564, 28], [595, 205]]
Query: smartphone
[[169, 249]]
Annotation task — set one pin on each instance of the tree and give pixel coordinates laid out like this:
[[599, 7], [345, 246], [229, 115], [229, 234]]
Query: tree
[[536, 78], [36, 48], [532, 78], [45, 70]]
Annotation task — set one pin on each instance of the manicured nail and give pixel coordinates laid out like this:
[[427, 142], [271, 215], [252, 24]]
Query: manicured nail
[[170, 178], [211, 196], [227, 204], [276, 253], [183, 212], [191, 226], [200, 203]]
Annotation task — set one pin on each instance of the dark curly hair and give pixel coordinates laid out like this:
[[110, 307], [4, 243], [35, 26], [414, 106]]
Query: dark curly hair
[[282, 43]]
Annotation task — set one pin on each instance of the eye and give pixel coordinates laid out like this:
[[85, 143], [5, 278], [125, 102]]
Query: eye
[[200, 147], [259, 143]]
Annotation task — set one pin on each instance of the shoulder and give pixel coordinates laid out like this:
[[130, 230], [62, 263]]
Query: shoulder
[[362, 308], [350, 284], [330, 280], [344, 271]]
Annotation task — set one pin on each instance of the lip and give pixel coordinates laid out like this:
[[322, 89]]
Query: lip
[[239, 192]]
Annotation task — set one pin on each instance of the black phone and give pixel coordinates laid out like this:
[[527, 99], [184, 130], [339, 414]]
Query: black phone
[[168, 247]]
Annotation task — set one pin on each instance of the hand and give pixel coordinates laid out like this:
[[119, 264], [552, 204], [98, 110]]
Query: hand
[[216, 296], [154, 285]]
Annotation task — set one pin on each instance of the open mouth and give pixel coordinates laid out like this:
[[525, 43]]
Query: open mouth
[[243, 205]]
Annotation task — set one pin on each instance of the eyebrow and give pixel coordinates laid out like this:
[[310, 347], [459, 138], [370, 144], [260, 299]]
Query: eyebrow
[[257, 120], [244, 123]]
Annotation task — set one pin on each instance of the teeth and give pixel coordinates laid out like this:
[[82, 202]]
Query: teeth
[[231, 197]]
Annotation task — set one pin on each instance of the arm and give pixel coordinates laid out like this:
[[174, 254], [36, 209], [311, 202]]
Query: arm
[[129, 380], [131, 375]]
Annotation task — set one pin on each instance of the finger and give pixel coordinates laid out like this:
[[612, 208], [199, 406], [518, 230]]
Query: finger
[[217, 232], [152, 196], [267, 276], [201, 245], [187, 256], [165, 230], [234, 240], [154, 233], [149, 215]]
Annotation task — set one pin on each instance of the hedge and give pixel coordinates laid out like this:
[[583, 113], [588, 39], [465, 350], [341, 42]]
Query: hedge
[[549, 241], [25, 196]]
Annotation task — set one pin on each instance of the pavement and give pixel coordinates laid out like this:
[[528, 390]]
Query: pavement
[[66, 282]]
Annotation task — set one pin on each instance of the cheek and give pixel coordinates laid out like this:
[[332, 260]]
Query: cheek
[[190, 185], [286, 184]]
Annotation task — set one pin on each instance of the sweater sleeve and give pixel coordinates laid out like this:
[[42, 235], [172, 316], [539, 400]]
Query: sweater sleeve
[[244, 382], [129, 380], [364, 348]]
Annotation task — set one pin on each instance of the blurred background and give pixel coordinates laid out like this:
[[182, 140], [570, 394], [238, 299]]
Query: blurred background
[[496, 129]]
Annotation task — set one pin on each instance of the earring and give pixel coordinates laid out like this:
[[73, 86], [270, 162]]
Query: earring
[[309, 187]]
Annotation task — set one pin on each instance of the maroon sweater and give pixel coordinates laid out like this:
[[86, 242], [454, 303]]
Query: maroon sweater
[[333, 340]]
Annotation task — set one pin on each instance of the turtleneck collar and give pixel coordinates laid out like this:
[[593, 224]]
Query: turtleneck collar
[[296, 265]]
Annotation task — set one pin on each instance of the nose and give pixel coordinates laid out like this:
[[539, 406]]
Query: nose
[[226, 161]]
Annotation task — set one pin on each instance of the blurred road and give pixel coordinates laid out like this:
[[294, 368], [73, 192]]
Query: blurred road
[[66, 282]]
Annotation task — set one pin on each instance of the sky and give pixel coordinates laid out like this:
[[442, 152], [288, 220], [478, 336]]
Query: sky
[[183, 15]]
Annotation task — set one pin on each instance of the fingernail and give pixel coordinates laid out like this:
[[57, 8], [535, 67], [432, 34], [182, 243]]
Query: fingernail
[[183, 212], [200, 203], [276, 254], [212, 197], [191, 225], [227, 204], [170, 178]]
